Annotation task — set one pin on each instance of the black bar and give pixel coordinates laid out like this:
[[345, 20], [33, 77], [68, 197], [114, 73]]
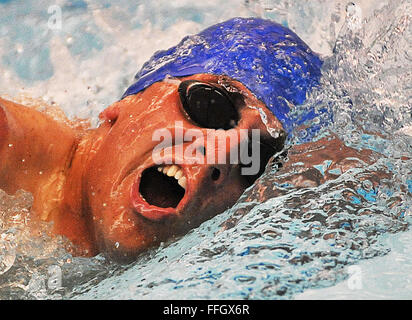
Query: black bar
[[198, 309]]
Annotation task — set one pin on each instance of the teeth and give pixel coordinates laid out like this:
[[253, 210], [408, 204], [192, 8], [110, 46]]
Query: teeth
[[178, 174], [172, 170], [175, 172], [182, 182]]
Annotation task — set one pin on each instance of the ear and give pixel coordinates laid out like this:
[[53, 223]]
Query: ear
[[111, 113]]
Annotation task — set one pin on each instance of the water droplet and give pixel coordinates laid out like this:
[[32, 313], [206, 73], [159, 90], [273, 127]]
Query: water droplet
[[19, 48]]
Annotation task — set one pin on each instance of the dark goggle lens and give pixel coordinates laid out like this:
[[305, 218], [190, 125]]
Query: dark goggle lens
[[208, 106]]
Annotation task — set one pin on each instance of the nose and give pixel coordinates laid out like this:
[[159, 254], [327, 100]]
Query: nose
[[217, 154], [215, 169]]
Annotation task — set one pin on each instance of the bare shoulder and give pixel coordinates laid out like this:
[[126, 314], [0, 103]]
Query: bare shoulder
[[3, 124]]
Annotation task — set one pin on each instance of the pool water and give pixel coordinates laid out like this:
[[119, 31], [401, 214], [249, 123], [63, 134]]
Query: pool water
[[343, 239]]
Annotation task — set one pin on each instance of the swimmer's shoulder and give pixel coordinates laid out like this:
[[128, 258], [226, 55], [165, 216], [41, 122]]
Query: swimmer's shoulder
[[4, 128], [9, 106], [9, 112]]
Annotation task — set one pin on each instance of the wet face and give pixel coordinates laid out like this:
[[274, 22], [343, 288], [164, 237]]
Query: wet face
[[134, 201]]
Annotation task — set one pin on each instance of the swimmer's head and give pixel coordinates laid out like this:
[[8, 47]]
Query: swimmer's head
[[243, 74], [269, 59]]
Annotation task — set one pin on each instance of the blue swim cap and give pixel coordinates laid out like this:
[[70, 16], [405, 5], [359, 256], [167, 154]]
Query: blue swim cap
[[269, 59]]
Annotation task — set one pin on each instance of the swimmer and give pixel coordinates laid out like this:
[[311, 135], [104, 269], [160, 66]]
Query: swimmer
[[102, 188]]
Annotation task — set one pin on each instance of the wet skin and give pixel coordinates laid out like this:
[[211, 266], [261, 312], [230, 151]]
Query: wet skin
[[88, 181]]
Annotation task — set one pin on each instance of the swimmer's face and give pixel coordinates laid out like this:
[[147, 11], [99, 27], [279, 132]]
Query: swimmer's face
[[134, 204]]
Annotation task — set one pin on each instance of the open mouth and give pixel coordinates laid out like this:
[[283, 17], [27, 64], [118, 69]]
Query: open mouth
[[163, 187], [160, 191]]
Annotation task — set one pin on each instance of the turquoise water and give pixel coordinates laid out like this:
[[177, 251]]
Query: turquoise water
[[278, 246]]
